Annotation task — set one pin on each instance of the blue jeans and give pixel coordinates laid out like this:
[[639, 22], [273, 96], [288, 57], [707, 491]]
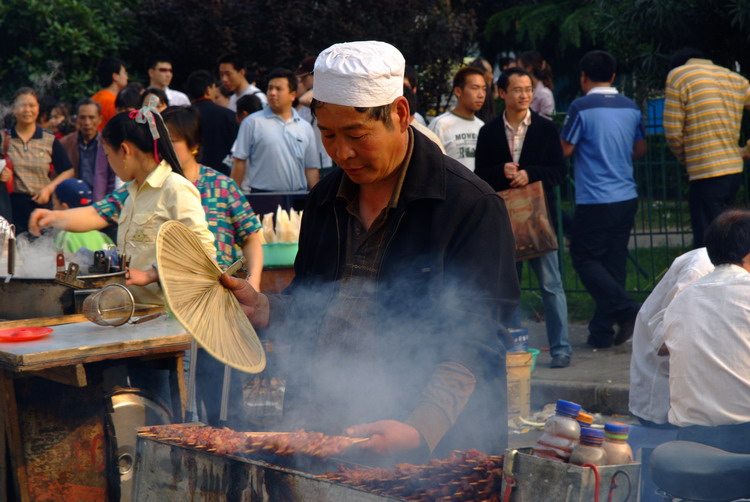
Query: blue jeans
[[547, 270]]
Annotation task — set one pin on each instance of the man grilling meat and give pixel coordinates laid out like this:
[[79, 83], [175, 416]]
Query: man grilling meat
[[404, 280]]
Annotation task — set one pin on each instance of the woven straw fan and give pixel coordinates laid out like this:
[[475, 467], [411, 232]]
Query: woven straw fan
[[204, 307]]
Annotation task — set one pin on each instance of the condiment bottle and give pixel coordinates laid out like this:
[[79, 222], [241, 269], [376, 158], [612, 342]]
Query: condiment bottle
[[561, 433], [616, 444], [584, 419], [589, 449]]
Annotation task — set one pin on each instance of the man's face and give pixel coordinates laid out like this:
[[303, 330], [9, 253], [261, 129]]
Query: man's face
[[161, 74], [121, 78], [519, 93], [364, 148], [472, 95], [231, 79], [280, 98], [304, 83], [88, 120]]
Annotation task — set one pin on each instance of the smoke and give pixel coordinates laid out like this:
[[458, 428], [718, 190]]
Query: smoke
[[44, 83], [35, 258]]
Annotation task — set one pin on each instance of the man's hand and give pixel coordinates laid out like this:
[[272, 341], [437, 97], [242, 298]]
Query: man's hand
[[521, 179], [134, 277], [254, 305], [386, 436], [510, 169]]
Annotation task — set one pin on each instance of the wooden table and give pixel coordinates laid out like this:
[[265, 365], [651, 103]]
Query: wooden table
[[52, 406]]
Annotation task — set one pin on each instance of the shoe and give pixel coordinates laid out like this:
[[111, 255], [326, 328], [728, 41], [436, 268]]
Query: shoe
[[598, 343], [560, 362], [625, 331]]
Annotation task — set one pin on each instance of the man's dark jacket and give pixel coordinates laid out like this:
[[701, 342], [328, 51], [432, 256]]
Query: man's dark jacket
[[541, 156], [218, 132], [446, 288]]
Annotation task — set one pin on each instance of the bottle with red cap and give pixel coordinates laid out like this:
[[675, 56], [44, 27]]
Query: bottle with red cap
[[616, 443], [561, 432]]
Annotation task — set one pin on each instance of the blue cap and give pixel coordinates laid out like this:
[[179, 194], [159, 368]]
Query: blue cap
[[591, 433], [74, 193], [567, 408]]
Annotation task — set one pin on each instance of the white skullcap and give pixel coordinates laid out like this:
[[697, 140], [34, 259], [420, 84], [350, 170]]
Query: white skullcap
[[361, 74]]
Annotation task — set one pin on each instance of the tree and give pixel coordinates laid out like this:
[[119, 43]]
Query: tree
[[55, 45]]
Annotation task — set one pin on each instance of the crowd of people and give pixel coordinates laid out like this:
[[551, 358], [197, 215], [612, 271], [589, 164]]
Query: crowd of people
[[409, 231]]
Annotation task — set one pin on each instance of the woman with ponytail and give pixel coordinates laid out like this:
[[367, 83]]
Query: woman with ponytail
[[541, 78], [140, 151]]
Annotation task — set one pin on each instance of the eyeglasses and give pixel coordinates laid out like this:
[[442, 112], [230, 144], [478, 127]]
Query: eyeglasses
[[164, 70]]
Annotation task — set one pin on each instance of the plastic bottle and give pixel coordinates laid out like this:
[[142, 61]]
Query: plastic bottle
[[584, 419], [589, 450], [561, 433], [616, 443]]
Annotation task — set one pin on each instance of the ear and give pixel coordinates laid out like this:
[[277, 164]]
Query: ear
[[500, 92], [400, 113], [457, 91], [612, 80]]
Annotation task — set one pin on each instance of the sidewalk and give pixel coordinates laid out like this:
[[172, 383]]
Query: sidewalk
[[597, 379]]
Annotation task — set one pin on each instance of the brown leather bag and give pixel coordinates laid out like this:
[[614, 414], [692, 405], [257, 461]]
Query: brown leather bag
[[529, 219]]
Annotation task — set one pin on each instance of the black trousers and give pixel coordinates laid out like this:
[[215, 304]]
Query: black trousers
[[23, 206], [707, 199], [599, 249], [5, 207]]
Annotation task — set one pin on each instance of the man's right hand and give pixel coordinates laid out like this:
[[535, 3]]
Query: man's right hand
[[254, 304], [510, 169]]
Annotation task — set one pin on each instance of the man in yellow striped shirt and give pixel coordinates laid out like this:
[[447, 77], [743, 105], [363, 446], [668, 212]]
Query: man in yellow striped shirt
[[702, 115]]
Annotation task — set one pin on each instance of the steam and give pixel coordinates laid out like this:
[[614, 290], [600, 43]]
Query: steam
[[46, 82], [34, 258]]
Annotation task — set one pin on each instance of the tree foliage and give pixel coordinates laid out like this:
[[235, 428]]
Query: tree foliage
[[55, 45]]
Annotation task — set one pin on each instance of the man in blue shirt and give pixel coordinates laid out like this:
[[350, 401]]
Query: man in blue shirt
[[604, 132], [275, 149]]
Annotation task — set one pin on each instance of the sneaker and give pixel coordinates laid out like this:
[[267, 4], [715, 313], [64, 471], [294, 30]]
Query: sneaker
[[560, 362]]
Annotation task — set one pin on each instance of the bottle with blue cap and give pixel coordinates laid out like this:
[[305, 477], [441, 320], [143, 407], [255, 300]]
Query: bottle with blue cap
[[616, 443], [561, 432], [589, 449]]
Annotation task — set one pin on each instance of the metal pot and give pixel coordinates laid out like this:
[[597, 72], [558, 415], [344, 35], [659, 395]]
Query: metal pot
[[24, 298]]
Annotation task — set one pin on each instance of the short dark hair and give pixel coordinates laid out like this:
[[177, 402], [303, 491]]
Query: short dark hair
[[185, 122], [411, 98], [598, 66], [249, 103], [459, 79], [233, 59], [23, 91], [505, 62], [379, 113], [410, 74], [129, 98], [287, 74], [88, 101], [154, 59], [156, 92], [108, 66], [504, 78], [46, 104], [197, 83], [681, 57], [727, 238]]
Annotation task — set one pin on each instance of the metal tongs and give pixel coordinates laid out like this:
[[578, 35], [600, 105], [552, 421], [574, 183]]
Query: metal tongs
[[192, 415], [8, 231]]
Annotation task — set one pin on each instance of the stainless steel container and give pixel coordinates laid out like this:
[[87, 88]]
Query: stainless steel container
[[24, 298]]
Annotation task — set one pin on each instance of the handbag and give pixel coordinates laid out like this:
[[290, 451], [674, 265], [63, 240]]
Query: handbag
[[8, 162], [529, 219]]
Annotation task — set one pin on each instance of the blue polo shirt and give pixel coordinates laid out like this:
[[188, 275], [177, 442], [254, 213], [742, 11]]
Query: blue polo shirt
[[604, 126], [277, 152]]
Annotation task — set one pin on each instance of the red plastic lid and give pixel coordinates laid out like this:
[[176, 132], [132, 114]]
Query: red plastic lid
[[24, 334]]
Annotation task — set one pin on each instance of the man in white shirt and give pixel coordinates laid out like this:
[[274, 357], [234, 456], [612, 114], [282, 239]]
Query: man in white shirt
[[160, 73], [649, 371], [234, 77], [458, 129], [707, 334]]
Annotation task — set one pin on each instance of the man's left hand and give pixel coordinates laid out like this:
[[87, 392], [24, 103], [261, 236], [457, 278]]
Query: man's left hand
[[386, 436], [521, 179]]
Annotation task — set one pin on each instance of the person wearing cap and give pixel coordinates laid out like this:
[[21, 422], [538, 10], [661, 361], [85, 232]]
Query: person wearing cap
[[404, 279], [69, 194]]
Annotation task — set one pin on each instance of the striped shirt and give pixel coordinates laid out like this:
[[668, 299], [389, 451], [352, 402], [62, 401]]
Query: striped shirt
[[702, 115], [230, 218]]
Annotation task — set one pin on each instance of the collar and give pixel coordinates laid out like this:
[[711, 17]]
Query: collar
[[602, 90], [37, 133], [94, 140], [472, 119], [241, 92], [202, 99], [155, 178], [269, 114], [699, 61], [526, 120]]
